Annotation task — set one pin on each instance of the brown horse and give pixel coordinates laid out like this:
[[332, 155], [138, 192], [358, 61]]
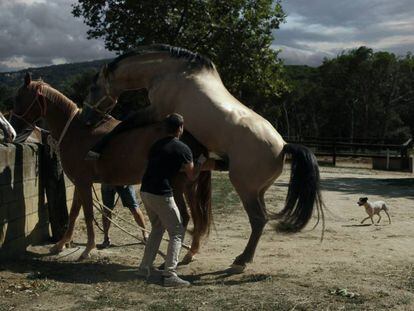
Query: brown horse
[[180, 81], [123, 164]]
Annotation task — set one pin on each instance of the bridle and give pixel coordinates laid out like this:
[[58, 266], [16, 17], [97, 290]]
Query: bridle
[[42, 104], [104, 97]]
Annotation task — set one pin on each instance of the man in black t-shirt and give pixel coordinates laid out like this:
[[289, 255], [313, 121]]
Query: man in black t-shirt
[[166, 158]]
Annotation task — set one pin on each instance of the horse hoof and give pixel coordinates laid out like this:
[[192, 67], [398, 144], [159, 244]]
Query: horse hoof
[[188, 258], [235, 269], [84, 256], [86, 253], [56, 249]]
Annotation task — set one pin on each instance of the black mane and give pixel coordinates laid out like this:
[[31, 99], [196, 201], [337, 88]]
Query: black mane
[[196, 60]]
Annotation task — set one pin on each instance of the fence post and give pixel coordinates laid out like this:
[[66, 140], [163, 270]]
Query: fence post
[[334, 155], [388, 159]]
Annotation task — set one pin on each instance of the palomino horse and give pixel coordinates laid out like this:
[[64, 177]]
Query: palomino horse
[[125, 163], [180, 81]]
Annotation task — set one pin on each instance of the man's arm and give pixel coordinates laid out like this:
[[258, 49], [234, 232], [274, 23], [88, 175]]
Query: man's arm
[[192, 170]]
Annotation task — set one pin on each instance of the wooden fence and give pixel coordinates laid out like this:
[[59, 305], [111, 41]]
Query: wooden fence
[[24, 216], [339, 147]]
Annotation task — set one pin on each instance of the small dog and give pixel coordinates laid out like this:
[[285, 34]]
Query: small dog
[[373, 208]]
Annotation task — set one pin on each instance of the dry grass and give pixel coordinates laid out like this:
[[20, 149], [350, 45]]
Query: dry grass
[[290, 272]]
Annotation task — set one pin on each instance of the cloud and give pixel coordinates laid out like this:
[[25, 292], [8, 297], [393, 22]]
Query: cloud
[[37, 33], [324, 28], [44, 32]]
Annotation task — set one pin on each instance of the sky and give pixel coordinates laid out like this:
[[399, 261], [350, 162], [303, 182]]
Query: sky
[[37, 33]]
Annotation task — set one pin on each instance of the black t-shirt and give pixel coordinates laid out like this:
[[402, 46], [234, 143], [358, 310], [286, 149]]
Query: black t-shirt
[[165, 159]]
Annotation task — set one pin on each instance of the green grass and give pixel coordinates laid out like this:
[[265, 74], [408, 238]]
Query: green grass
[[410, 281], [224, 199], [105, 300]]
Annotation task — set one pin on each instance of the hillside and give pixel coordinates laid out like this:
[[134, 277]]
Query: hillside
[[55, 75]]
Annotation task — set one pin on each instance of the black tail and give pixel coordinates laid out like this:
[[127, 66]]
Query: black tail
[[303, 193]]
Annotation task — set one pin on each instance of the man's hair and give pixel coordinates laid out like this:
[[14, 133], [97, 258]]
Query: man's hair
[[172, 122]]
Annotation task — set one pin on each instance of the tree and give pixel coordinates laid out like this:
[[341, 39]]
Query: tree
[[236, 34], [6, 98], [360, 94], [77, 87], [301, 104]]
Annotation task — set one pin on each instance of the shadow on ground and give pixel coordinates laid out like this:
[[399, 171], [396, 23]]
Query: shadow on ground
[[386, 187], [81, 272], [43, 266]]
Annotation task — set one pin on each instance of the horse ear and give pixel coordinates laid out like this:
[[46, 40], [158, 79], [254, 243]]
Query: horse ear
[[27, 79], [105, 70]]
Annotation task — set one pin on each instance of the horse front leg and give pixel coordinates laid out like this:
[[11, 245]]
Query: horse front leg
[[74, 212], [179, 187], [87, 204], [194, 249], [182, 207]]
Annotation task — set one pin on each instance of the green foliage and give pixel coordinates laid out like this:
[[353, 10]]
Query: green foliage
[[359, 94], [6, 98], [235, 34], [72, 79], [77, 87]]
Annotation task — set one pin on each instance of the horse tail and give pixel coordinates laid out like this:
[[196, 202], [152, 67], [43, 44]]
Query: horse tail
[[199, 199], [303, 192]]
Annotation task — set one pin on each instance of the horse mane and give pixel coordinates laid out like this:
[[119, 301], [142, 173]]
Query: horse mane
[[54, 95], [195, 60]]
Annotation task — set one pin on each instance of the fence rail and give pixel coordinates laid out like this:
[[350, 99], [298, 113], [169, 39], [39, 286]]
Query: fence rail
[[337, 147]]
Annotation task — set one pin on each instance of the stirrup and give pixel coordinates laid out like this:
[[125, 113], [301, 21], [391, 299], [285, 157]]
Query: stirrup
[[92, 156]]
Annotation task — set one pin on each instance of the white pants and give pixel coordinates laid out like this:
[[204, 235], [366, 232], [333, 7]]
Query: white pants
[[164, 215]]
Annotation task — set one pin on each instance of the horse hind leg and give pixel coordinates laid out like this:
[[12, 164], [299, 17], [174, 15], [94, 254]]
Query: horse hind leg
[[74, 212], [256, 211]]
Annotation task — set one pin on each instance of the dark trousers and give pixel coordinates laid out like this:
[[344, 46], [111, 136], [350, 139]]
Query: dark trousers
[[55, 189]]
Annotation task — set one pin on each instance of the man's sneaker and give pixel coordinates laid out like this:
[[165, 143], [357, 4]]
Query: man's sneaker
[[146, 272], [175, 281], [92, 156]]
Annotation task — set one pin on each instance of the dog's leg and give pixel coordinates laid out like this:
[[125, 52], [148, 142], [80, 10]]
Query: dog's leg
[[388, 215], [379, 219], [365, 219]]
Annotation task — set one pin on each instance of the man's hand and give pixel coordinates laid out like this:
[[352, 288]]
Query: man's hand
[[201, 159]]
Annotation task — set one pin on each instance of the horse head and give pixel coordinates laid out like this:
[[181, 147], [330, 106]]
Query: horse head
[[29, 106], [99, 101]]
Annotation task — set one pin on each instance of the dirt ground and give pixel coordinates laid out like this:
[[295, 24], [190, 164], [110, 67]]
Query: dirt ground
[[356, 267]]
